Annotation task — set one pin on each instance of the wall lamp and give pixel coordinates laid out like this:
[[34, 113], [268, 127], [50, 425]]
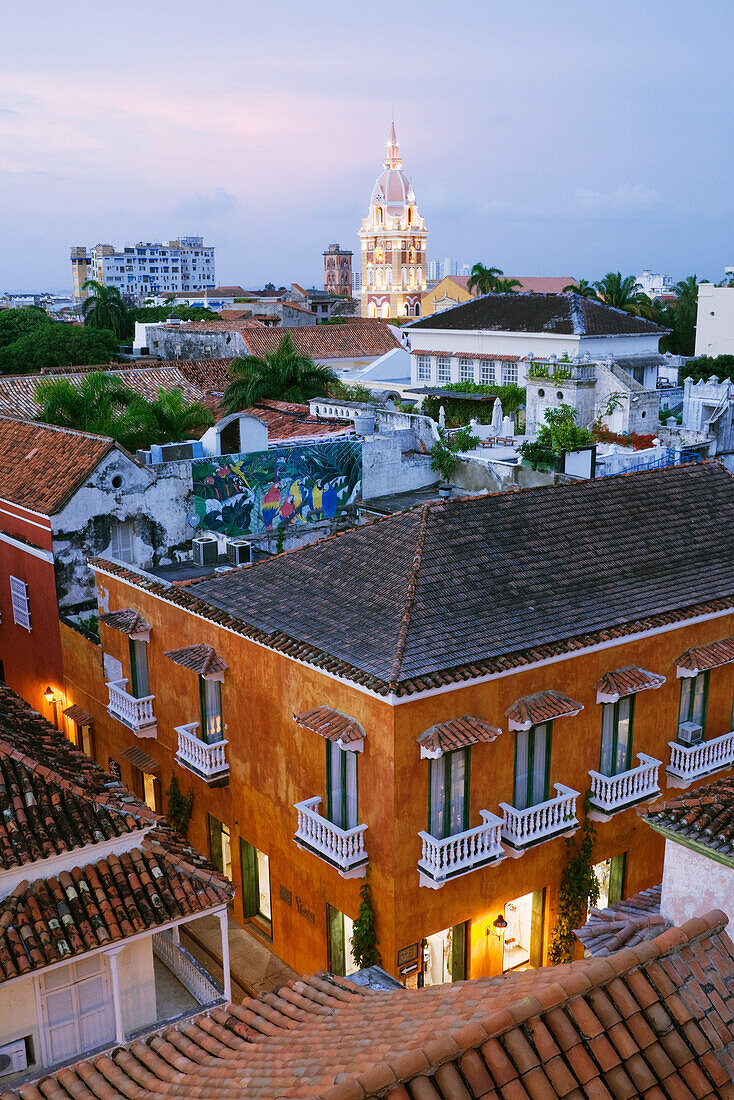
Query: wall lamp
[[499, 924], [49, 694]]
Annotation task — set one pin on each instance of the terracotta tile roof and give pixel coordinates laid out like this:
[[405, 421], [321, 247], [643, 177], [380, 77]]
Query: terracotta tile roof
[[356, 339], [707, 656], [199, 658], [625, 924], [96, 904], [240, 324], [78, 714], [127, 620], [456, 734], [543, 706], [705, 817], [41, 467], [626, 681], [467, 355], [566, 314], [140, 759], [652, 1021], [331, 724], [449, 591], [288, 420]]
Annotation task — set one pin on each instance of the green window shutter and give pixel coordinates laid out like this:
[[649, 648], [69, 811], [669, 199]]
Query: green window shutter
[[250, 885], [458, 952], [215, 843], [617, 868], [335, 945], [537, 920], [133, 669]]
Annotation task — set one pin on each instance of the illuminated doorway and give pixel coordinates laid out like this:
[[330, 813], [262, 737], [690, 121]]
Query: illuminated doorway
[[523, 936], [444, 956], [610, 876]]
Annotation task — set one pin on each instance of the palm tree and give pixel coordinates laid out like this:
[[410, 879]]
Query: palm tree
[[95, 405], [583, 288], [485, 279], [507, 286], [621, 293], [284, 374], [173, 419], [105, 308], [687, 288]]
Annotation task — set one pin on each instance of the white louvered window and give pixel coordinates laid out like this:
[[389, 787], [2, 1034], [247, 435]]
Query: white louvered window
[[424, 368], [19, 600], [466, 370], [509, 373], [443, 368], [486, 373]]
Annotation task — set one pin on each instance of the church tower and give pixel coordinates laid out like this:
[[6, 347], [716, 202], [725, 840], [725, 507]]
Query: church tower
[[393, 238]]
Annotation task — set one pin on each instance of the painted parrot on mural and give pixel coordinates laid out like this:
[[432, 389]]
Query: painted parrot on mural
[[271, 504]]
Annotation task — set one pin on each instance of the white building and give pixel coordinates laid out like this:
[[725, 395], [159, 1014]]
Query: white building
[[654, 284], [715, 320], [146, 268]]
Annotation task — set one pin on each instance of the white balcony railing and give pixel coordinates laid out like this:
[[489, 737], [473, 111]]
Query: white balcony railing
[[187, 969], [457, 855], [521, 828], [610, 793], [343, 848], [689, 762], [209, 761], [137, 714]]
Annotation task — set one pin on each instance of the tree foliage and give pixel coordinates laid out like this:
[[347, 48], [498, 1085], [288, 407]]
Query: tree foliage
[[618, 291], [702, 368], [151, 314], [579, 890], [559, 433], [49, 347], [364, 943], [490, 280], [447, 447], [104, 308], [283, 375], [180, 806], [459, 412], [15, 323], [584, 288]]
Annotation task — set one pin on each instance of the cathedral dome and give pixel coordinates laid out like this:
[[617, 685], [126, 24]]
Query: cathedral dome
[[393, 191]]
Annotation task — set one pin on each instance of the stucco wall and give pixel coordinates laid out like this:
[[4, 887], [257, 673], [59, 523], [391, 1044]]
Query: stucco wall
[[18, 1018], [183, 343], [694, 883], [31, 660], [715, 320], [137, 984]]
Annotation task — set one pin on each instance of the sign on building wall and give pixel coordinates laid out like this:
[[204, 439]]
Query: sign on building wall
[[245, 494]]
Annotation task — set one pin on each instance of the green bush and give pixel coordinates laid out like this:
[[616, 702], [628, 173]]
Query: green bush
[[447, 447], [702, 368], [58, 345], [460, 412]]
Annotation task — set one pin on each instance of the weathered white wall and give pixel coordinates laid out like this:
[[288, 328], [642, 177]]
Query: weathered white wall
[[18, 1018], [253, 435], [708, 407], [715, 320], [694, 883], [137, 984], [390, 464]]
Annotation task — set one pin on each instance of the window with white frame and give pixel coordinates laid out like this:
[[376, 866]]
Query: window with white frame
[[424, 368], [509, 373], [121, 540], [443, 368], [20, 603], [486, 373], [466, 370]]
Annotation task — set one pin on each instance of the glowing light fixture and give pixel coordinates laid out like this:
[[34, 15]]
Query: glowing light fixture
[[49, 694]]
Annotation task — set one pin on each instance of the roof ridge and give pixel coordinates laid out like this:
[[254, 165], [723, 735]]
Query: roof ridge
[[43, 425], [409, 599]]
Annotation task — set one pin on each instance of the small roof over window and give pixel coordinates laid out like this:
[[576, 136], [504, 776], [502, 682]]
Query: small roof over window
[[127, 620], [458, 733], [698, 660], [544, 706], [78, 714], [333, 725], [141, 760], [199, 658], [626, 681]]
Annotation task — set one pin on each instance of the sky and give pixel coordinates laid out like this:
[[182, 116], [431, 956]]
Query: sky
[[540, 137]]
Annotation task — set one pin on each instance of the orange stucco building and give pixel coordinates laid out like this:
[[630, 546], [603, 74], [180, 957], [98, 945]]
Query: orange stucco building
[[448, 683]]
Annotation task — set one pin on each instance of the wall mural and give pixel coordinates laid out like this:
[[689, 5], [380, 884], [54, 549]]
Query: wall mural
[[245, 494]]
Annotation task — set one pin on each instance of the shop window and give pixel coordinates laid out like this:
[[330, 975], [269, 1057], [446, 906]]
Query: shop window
[[693, 699], [445, 956], [139, 678], [339, 931], [255, 866], [210, 702], [522, 946], [448, 794], [616, 736], [532, 765], [341, 786], [220, 847]]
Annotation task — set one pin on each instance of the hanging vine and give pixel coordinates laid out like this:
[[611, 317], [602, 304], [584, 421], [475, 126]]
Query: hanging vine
[[180, 806], [579, 890], [364, 937]]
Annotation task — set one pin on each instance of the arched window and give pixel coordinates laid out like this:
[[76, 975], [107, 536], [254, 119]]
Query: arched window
[[380, 282], [369, 276], [410, 215], [404, 276], [412, 256], [388, 276], [412, 277], [385, 309], [371, 310], [406, 310], [378, 215], [417, 309]]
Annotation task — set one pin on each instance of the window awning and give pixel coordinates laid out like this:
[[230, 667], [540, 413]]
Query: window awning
[[127, 621], [334, 726], [458, 733], [141, 760], [705, 657], [199, 658], [78, 714], [544, 706], [626, 681]]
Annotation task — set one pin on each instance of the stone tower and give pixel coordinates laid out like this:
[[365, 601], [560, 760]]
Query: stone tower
[[338, 271]]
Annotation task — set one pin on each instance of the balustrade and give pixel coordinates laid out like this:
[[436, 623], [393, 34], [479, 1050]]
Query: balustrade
[[610, 793], [137, 714], [343, 848], [689, 762], [522, 828], [446, 858], [209, 761]]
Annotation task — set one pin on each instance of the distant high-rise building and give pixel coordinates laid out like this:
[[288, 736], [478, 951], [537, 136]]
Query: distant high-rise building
[[393, 239], [356, 282], [145, 268], [654, 284], [338, 271]]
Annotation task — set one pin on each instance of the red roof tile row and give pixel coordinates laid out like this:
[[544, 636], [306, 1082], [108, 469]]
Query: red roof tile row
[[626, 681], [127, 620], [457, 734], [200, 658], [707, 656], [543, 706], [331, 724]]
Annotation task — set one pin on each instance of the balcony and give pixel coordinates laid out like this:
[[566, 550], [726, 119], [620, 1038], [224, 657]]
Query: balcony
[[342, 848], [457, 855], [136, 714], [522, 829], [691, 762], [612, 793], [207, 761]]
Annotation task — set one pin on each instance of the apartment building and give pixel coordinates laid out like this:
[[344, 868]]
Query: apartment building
[[428, 699], [145, 268]]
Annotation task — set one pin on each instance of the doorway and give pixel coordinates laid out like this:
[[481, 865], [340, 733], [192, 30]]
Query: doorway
[[339, 932], [610, 876], [523, 937], [444, 956]]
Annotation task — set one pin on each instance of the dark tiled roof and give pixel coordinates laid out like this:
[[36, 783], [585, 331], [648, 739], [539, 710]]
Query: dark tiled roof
[[543, 706], [452, 590], [78, 714], [627, 681], [199, 658], [457, 734], [331, 724], [140, 759], [41, 467], [356, 339], [565, 314], [707, 656], [127, 620], [653, 1021], [705, 817], [288, 420], [624, 925]]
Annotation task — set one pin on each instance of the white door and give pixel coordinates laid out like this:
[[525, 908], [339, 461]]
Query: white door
[[77, 1009]]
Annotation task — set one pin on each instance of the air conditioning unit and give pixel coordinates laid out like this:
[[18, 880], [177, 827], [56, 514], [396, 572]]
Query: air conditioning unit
[[205, 549], [690, 733], [239, 551], [176, 452], [13, 1057]]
